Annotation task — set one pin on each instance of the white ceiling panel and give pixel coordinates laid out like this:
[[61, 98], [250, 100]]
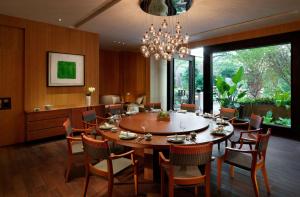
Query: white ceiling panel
[[126, 22]]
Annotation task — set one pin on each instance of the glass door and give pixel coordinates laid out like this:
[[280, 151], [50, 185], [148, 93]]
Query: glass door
[[181, 81]]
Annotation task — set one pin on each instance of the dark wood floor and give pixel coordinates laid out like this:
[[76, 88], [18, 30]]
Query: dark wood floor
[[37, 170]]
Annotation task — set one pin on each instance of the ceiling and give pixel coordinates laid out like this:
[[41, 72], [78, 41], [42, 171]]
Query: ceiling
[[125, 22]]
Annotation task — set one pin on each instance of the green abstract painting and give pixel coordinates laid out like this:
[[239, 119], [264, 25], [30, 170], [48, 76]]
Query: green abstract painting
[[66, 70]]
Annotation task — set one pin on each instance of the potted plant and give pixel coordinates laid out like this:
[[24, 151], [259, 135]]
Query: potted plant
[[229, 89]]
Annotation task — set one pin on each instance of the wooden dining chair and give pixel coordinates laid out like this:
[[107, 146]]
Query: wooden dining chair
[[188, 107], [74, 145], [251, 160], [182, 168], [148, 106], [100, 161], [114, 109], [250, 135], [228, 114]]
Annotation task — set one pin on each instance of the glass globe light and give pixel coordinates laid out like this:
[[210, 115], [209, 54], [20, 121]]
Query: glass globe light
[[156, 56], [152, 48], [144, 49], [169, 48], [164, 24], [169, 58], [151, 29], [178, 26], [147, 54], [146, 35]]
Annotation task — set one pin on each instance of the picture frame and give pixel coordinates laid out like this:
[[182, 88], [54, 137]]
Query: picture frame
[[65, 69]]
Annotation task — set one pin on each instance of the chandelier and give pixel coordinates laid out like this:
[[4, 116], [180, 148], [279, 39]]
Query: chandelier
[[161, 43]]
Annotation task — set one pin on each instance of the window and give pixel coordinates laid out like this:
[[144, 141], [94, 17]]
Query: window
[[265, 82]]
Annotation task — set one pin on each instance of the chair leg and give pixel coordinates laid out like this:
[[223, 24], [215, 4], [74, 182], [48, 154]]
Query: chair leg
[[110, 185], [250, 146], [264, 173], [196, 190], [219, 171], [231, 170], [226, 143], [86, 184], [207, 181], [219, 146], [171, 187], [162, 182], [136, 178], [67, 173], [254, 182]]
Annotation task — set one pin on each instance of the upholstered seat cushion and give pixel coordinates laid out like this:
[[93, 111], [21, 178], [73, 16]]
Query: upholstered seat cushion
[[242, 160], [77, 147], [234, 138], [118, 165]]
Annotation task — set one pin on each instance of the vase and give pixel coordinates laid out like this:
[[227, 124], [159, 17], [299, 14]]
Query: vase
[[88, 100]]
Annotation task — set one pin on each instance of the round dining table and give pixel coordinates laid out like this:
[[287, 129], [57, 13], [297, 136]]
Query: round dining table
[[179, 123]]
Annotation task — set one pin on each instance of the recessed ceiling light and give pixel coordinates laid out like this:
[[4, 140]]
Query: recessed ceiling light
[[59, 20]]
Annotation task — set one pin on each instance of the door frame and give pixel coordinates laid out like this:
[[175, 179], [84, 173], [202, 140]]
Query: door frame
[[170, 79]]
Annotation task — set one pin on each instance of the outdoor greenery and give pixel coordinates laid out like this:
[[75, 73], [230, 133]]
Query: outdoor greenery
[[266, 77], [268, 119], [229, 89]]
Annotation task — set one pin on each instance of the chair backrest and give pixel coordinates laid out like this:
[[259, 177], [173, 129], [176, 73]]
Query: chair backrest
[[255, 121], [190, 155], [228, 113], [89, 116], [262, 143], [188, 107], [95, 150], [68, 127], [148, 106], [115, 109]]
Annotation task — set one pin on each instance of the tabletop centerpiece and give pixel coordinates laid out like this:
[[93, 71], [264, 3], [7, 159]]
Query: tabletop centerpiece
[[163, 116]]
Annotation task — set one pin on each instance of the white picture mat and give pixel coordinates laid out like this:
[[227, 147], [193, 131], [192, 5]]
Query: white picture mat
[[53, 59]]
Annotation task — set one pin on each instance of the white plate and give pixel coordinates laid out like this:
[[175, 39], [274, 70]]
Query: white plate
[[173, 139], [131, 112], [106, 127], [124, 136]]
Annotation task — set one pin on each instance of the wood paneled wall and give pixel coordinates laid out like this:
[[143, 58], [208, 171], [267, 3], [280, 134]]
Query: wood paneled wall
[[109, 72], [11, 84], [39, 38], [122, 72]]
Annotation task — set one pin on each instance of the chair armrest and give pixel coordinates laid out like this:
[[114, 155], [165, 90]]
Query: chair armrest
[[239, 150], [113, 156], [231, 120], [162, 159], [240, 124], [73, 139], [255, 131], [80, 130]]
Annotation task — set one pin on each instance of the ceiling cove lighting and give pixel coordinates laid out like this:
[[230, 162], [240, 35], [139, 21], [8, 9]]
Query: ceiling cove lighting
[[167, 39]]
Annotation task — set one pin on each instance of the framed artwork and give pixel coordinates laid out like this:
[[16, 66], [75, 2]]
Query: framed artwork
[[65, 69]]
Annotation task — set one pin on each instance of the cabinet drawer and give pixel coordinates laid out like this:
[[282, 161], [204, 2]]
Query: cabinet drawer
[[36, 116], [40, 134], [45, 124]]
